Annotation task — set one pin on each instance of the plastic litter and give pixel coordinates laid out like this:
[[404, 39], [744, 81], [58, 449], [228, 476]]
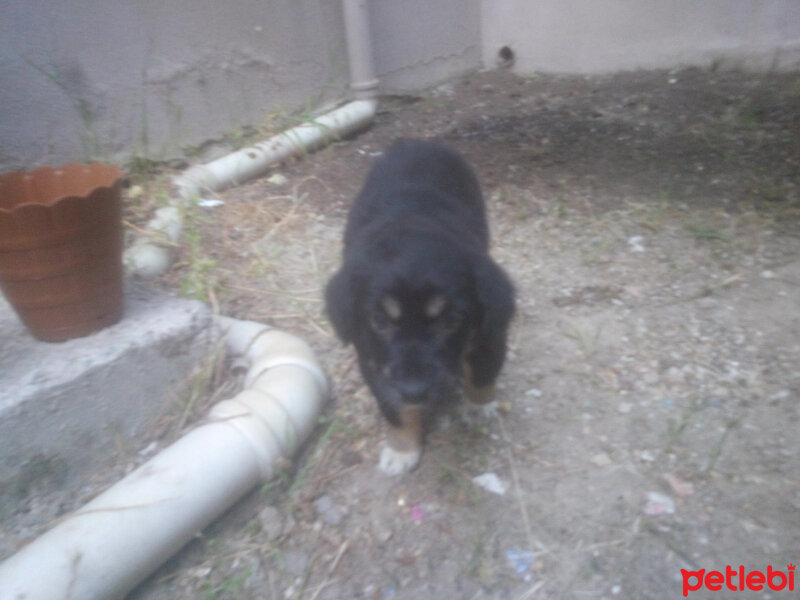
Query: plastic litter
[[657, 503], [678, 485], [601, 459], [491, 483], [520, 560], [636, 243]]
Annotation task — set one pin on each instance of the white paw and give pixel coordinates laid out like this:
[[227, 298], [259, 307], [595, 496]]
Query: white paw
[[478, 414], [394, 462]]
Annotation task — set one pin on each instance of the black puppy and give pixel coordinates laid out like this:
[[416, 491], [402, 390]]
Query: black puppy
[[418, 294]]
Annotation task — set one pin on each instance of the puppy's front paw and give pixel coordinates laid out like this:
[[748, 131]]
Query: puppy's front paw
[[479, 414], [395, 462]]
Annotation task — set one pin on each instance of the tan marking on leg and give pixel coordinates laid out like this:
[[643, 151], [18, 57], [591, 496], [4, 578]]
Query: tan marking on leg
[[483, 395], [407, 437]]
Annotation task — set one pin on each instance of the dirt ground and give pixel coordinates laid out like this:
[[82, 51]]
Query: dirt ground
[[649, 408]]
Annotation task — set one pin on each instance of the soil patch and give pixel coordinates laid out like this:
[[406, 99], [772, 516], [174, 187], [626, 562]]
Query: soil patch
[[649, 422]]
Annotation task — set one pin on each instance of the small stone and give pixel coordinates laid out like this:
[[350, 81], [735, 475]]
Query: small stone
[[328, 511], [295, 562], [383, 534], [277, 179], [199, 572], [601, 460], [651, 377], [657, 503], [678, 485], [675, 375], [624, 407], [272, 523], [768, 274], [647, 456], [720, 392], [707, 303]]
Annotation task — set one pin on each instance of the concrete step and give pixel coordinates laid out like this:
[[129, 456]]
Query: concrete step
[[68, 408]]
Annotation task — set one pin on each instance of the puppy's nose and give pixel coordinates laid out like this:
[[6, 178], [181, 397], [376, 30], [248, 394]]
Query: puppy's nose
[[413, 389]]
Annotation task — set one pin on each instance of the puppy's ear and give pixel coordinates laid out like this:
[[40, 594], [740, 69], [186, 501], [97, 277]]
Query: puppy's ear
[[495, 294], [340, 304]]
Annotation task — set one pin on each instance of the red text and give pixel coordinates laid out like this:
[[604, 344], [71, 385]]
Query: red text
[[738, 579]]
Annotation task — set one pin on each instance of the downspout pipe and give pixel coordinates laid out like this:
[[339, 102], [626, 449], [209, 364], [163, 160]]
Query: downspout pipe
[[106, 548], [363, 80]]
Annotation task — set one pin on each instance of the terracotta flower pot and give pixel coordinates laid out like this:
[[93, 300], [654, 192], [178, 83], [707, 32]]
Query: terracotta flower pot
[[61, 248]]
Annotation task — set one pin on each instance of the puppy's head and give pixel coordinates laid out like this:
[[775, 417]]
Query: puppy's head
[[414, 308]]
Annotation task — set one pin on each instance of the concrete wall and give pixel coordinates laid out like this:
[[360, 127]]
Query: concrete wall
[[103, 78], [594, 36], [107, 79], [110, 79], [419, 43]]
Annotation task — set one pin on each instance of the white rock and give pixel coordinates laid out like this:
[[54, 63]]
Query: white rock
[[209, 203], [636, 243], [167, 222], [675, 375], [277, 179], [146, 260]]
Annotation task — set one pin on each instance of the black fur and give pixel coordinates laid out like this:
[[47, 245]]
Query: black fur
[[418, 230]]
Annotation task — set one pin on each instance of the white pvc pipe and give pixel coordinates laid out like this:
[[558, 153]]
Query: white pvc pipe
[[104, 549], [151, 255], [247, 163]]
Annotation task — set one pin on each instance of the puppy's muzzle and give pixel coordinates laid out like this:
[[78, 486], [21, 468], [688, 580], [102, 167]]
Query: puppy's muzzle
[[420, 383], [413, 391], [412, 384]]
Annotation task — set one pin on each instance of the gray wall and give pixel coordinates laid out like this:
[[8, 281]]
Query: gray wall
[[419, 43], [104, 78], [107, 79], [110, 79], [595, 36]]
